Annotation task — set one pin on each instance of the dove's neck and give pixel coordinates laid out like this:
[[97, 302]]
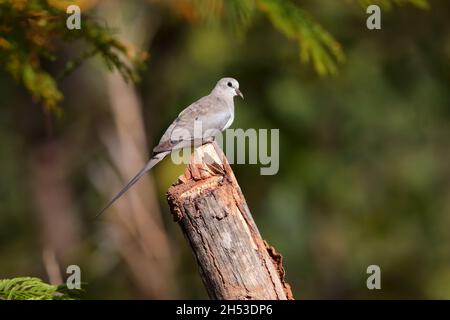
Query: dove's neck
[[226, 96]]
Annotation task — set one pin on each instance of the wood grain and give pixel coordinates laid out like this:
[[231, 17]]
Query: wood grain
[[234, 261]]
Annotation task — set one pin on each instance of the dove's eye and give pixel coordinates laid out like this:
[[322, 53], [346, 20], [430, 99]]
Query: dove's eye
[[229, 84]]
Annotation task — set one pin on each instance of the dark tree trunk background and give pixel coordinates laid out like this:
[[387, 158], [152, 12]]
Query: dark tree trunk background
[[234, 261]]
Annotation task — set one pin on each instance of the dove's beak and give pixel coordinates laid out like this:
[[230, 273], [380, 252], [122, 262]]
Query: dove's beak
[[239, 93]]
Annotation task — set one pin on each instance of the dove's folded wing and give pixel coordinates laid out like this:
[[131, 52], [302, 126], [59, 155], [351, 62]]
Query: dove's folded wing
[[202, 119]]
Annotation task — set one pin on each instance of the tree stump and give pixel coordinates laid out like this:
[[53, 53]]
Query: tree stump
[[234, 261]]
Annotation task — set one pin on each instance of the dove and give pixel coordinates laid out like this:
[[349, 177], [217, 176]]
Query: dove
[[214, 113]]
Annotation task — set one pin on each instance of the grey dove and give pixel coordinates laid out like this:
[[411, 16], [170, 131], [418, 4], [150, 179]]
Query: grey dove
[[199, 122]]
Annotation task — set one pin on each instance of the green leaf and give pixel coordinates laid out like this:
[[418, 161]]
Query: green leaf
[[30, 288], [30, 32], [389, 4], [317, 45]]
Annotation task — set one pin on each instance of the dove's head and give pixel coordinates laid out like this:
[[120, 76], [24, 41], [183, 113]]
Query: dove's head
[[228, 87]]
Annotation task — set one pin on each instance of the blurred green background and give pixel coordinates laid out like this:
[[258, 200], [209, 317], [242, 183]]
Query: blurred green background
[[364, 154]]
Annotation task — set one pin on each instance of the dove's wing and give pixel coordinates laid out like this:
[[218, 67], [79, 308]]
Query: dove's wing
[[211, 111]]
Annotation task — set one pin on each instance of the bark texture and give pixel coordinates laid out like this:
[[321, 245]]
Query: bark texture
[[234, 261]]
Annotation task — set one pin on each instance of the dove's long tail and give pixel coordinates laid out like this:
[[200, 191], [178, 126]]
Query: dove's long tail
[[153, 161]]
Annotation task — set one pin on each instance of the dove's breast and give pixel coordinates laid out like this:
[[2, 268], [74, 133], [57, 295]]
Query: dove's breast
[[229, 122], [230, 112]]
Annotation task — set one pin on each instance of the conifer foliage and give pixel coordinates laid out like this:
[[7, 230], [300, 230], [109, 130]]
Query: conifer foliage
[[32, 32], [28, 288]]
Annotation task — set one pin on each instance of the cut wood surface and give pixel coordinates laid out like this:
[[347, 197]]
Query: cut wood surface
[[234, 261]]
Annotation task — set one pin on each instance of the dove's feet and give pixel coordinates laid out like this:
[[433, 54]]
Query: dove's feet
[[209, 139]]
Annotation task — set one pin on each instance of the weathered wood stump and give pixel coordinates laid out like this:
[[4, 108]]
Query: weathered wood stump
[[234, 261]]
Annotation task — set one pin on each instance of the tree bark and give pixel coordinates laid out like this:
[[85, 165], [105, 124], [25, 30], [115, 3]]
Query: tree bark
[[234, 261]]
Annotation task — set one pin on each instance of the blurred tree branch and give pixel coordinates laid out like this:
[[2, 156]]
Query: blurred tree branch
[[141, 237]]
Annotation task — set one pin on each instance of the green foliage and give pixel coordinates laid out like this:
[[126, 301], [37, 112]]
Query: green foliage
[[316, 44], [30, 33], [389, 4], [241, 12], [29, 288]]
